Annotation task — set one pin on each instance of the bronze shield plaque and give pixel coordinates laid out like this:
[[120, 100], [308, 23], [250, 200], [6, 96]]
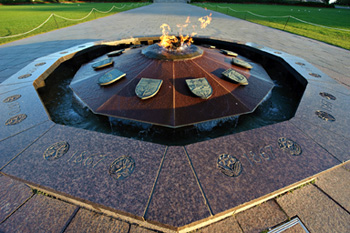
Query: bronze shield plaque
[[147, 88]]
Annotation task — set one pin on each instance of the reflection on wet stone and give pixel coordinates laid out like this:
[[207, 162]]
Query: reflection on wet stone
[[16, 119], [229, 165], [56, 151], [11, 98], [122, 167], [289, 146], [325, 116]]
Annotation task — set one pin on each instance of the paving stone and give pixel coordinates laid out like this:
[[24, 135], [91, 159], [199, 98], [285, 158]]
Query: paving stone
[[12, 195], [39, 214], [315, 210], [227, 225], [13, 146], [138, 229], [177, 199], [261, 217], [265, 164], [88, 221], [336, 184], [88, 165]]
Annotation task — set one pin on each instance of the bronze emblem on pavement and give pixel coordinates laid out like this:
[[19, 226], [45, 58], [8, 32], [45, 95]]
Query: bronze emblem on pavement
[[56, 151], [289, 146], [148, 87], [24, 76], [229, 165], [325, 116], [328, 96], [11, 98], [241, 63], [40, 64], [102, 64], [200, 87], [229, 53], [110, 77], [16, 119], [122, 167], [300, 63], [315, 75], [233, 75]]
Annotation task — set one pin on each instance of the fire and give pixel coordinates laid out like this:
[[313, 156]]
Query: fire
[[171, 42], [205, 20]]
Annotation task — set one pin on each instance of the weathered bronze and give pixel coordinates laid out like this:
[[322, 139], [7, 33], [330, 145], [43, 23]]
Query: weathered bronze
[[56, 151], [229, 53], [147, 88], [325, 116], [229, 165], [289, 146], [241, 63], [110, 77], [115, 53], [235, 76], [200, 87], [102, 64], [122, 167]]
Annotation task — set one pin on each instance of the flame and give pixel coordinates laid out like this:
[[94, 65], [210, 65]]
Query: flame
[[205, 20], [172, 42], [167, 41]]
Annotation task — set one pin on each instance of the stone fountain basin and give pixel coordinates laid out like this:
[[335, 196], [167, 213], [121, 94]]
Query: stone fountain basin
[[172, 188]]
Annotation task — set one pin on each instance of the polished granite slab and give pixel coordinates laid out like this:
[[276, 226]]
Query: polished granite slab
[[262, 161], [85, 165]]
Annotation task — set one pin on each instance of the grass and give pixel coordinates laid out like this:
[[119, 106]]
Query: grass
[[22, 18], [330, 17]]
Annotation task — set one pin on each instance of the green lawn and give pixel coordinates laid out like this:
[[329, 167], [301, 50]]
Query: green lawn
[[330, 17], [22, 18]]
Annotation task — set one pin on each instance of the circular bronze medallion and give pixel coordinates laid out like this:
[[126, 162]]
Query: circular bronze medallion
[[229, 165], [289, 146], [122, 167], [56, 151], [300, 63], [325, 116], [16, 119], [40, 64], [328, 96], [24, 76], [315, 75], [11, 98]]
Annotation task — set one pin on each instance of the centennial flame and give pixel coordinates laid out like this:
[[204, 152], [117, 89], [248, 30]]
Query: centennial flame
[[171, 42]]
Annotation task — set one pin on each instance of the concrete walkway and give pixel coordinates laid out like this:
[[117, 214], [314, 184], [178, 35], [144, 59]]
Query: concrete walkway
[[322, 206]]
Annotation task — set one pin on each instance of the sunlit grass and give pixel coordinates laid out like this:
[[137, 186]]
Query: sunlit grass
[[22, 18], [330, 17]]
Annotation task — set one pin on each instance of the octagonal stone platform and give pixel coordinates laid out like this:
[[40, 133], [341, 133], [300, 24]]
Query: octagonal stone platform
[[171, 188], [172, 105]]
